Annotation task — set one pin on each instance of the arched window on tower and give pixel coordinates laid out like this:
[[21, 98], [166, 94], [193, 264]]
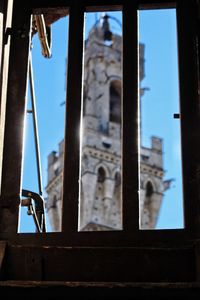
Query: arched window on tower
[[53, 213], [149, 191], [115, 101], [117, 179], [98, 216], [117, 202], [101, 175]]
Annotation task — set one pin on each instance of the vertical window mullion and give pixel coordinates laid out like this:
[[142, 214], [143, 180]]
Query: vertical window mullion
[[130, 118], [73, 109], [190, 111], [14, 120]]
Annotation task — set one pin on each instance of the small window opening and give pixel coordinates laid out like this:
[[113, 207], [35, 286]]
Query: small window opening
[[149, 191], [115, 102], [101, 175]]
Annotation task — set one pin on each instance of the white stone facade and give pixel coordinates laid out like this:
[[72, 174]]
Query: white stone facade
[[100, 203]]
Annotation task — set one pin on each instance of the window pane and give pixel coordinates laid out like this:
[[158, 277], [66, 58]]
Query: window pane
[[100, 203], [50, 94], [161, 199]]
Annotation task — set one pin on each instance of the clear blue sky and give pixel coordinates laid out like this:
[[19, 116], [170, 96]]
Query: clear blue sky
[[157, 30]]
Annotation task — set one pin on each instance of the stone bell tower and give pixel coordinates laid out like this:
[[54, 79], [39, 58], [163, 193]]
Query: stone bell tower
[[100, 199], [100, 203]]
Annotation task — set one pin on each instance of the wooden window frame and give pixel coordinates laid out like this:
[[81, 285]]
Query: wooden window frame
[[190, 122]]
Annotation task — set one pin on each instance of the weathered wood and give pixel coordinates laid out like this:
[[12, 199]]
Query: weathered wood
[[14, 121], [101, 264], [89, 290], [197, 260], [72, 133], [6, 10], [130, 154], [2, 256], [190, 112]]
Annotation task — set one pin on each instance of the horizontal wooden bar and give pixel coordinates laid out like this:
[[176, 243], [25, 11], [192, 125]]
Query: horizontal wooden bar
[[106, 264], [99, 5]]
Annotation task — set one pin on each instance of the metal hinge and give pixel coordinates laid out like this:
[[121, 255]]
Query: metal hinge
[[8, 32]]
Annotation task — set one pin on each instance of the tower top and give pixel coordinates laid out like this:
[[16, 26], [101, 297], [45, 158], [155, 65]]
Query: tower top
[[107, 34]]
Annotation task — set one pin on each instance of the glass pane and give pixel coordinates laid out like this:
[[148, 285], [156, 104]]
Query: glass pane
[[161, 199], [49, 78], [100, 203]]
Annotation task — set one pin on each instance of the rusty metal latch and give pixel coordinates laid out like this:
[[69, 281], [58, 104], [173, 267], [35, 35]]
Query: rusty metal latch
[[36, 210], [176, 116]]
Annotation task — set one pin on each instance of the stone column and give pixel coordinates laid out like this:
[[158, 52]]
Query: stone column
[[109, 185], [86, 200]]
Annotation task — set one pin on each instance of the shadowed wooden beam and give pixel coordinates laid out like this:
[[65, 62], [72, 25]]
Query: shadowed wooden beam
[[14, 121], [2, 256]]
